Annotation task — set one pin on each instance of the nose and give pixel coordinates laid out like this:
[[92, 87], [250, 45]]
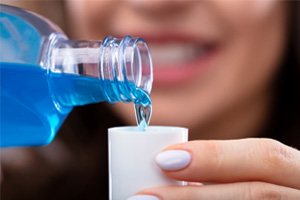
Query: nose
[[160, 8]]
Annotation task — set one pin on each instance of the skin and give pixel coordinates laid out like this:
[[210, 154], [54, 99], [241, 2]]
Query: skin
[[230, 99], [250, 49], [266, 169]]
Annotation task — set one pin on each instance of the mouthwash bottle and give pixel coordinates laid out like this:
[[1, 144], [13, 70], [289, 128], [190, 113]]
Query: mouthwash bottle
[[44, 75]]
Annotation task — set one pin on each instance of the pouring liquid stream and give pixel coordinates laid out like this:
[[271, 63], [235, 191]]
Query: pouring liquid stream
[[143, 109]]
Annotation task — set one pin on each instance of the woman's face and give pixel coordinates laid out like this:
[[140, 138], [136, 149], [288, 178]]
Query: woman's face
[[212, 59]]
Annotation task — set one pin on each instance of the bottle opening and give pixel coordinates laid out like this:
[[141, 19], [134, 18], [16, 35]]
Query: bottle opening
[[130, 66], [139, 67]]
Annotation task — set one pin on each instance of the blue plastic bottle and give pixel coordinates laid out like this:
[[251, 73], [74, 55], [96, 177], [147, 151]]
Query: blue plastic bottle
[[44, 75]]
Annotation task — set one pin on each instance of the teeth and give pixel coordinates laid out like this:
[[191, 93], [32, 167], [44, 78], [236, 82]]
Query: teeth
[[176, 53]]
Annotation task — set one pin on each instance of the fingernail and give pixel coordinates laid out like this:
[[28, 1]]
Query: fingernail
[[173, 159], [143, 197]]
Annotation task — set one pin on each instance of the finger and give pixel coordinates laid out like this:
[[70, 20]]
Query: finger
[[229, 191], [232, 161]]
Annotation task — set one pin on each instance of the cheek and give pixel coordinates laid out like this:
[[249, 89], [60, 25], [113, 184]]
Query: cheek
[[87, 7], [253, 44], [244, 70], [249, 60], [256, 48], [89, 18], [239, 13]]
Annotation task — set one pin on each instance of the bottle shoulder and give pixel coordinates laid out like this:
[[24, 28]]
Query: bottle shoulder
[[25, 35]]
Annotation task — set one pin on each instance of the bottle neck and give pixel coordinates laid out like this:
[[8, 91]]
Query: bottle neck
[[94, 71]]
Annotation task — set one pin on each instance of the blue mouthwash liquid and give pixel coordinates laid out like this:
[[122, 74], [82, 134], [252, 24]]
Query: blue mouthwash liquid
[[28, 112], [43, 75], [94, 88]]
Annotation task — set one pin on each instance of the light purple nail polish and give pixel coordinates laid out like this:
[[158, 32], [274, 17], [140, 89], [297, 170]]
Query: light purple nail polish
[[173, 159], [143, 197]]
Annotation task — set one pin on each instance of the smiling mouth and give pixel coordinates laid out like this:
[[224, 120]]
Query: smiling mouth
[[177, 54], [178, 62]]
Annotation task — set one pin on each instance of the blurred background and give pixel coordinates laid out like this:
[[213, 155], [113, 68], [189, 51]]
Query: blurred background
[[224, 69]]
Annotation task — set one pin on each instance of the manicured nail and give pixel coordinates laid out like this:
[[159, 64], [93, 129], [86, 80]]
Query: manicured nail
[[143, 197], [173, 159]]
